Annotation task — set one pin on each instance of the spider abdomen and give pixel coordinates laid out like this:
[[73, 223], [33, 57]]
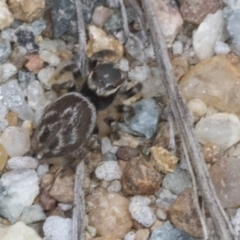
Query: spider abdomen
[[65, 126]]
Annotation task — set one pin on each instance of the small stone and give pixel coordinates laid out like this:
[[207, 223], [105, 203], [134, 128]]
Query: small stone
[[51, 58], [8, 34], [3, 124], [126, 153], [177, 48], [221, 48], [34, 63], [106, 145], [44, 76], [8, 71], [177, 181], [225, 178], [170, 19], [46, 201], [184, 209], [138, 74], [167, 232], [22, 162], [222, 129], [57, 228], [108, 213], [38, 26], [145, 119], [47, 180], [25, 10], [194, 11], [92, 231], [134, 48], [65, 207], [6, 18], [101, 15], [19, 229], [114, 186], [142, 234], [130, 236], [18, 56], [126, 140], [62, 189], [16, 141], [28, 125], [139, 177], [197, 107], [108, 170], [92, 160], [211, 153], [161, 215], [236, 223], [24, 78], [3, 157], [35, 94], [215, 81], [42, 169], [12, 118], [140, 210], [99, 41], [162, 160], [20, 190], [5, 50], [32, 214], [109, 157], [209, 31], [123, 65], [180, 66], [165, 198]]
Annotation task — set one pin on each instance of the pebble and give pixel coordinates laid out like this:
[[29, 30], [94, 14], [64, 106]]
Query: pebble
[[3, 157], [106, 145], [170, 19], [3, 124], [6, 18], [139, 73], [8, 71], [25, 10], [24, 78], [57, 228], [184, 209], [51, 58], [167, 232], [209, 31], [109, 157], [126, 153], [236, 223], [35, 95], [32, 214], [44, 76], [108, 213], [92, 231], [142, 234], [42, 170], [212, 153], [47, 202], [126, 140], [134, 48], [16, 141], [139, 177], [140, 211], [20, 189], [194, 11], [18, 56], [114, 186], [177, 48], [130, 236], [12, 118], [62, 189], [161, 215], [145, 119], [203, 82], [22, 162], [34, 63], [225, 178], [123, 65], [65, 207], [221, 48], [162, 160], [221, 129], [165, 198], [38, 26], [101, 15], [19, 229], [197, 107], [177, 181], [8, 34], [108, 171], [47, 180], [5, 50], [100, 41]]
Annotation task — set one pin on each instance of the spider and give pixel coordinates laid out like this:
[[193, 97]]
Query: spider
[[68, 123]]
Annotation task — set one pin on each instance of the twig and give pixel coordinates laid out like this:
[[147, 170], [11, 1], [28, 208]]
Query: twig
[[82, 61], [78, 218], [125, 21], [172, 143], [182, 118]]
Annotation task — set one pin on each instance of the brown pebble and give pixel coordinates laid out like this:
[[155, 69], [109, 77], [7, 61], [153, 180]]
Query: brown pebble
[[46, 201], [34, 63], [126, 153], [12, 118]]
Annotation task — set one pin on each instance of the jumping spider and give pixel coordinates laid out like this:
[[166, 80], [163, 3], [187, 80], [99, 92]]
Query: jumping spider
[[68, 123]]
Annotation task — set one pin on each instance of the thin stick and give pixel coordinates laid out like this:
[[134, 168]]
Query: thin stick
[[172, 143], [78, 218], [182, 118], [82, 61], [125, 21]]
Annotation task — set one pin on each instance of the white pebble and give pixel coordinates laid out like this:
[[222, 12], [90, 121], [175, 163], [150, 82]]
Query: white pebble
[[140, 211], [65, 207], [221, 48], [42, 170], [16, 141], [106, 145], [161, 215], [197, 107], [123, 65], [108, 171], [44, 76], [57, 228], [3, 124], [177, 48], [114, 186], [139, 73], [32, 214], [51, 58], [130, 236], [92, 231], [8, 70], [22, 162]]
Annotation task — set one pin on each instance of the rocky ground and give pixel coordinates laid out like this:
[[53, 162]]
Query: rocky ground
[[136, 187]]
